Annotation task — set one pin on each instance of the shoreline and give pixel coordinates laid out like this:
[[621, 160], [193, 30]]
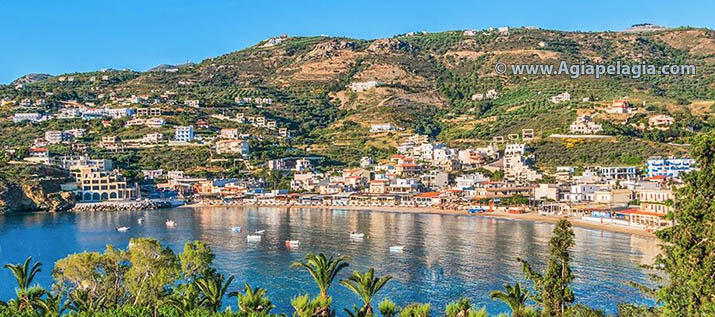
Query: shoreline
[[533, 217]]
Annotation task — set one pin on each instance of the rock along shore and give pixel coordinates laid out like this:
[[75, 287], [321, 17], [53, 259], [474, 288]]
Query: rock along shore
[[119, 206]]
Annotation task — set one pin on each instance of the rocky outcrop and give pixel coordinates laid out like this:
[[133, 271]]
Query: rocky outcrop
[[329, 49], [389, 46], [30, 78], [30, 197]]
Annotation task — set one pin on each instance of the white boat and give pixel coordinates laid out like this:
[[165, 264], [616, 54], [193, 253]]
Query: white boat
[[252, 237], [236, 229], [260, 231], [171, 223], [122, 229], [292, 243], [397, 248], [357, 235], [140, 220]]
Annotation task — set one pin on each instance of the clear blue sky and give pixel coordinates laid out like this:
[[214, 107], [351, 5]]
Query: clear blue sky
[[50, 36]]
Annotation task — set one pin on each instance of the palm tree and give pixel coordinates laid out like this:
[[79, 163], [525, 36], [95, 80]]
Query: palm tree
[[365, 285], [212, 289], [184, 302], [52, 305], [323, 269], [388, 308], [460, 308], [28, 297], [80, 301], [515, 297], [254, 301]]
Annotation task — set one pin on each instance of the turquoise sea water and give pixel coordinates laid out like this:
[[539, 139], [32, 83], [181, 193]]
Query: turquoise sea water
[[445, 257]]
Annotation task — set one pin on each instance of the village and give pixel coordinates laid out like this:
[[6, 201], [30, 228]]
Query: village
[[424, 174]]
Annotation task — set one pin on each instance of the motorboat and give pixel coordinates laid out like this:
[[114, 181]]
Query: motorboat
[[170, 223], [357, 235], [260, 231], [397, 248], [292, 243], [253, 237], [476, 210], [140, 220], [122, 229], [236, 229]]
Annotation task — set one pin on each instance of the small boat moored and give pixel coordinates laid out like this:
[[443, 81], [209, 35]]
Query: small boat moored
[[292, 243], [251, 237], [260, 231], [171, 223], [397, 248], [357, 235], [236, 229], [122, 229], [140, 220]]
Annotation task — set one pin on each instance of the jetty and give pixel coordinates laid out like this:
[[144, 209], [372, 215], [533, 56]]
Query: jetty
[[120, 206]]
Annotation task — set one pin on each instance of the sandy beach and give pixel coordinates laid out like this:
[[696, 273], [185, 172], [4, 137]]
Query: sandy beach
[[426, 210]]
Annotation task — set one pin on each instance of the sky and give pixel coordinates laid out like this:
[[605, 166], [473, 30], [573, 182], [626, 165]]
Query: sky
[[55, 37]]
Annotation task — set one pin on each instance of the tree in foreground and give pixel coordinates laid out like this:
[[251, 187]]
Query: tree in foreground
[[688, 249], [213, 288], [416, 310], [365, 285], [515, 297], [29, 297], [253, 301], [323, 269], [388, 308], [552, 286]]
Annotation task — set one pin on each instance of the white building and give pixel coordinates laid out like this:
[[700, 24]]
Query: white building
[[302, 165], [514, 149], [468, 181], [31, 116], [184, 133], [661, 121], [192, 103], [229, 134], [232, 146], [119, 112], [565, 96], [362, 86], [585, 125], [75, 162], [55, 137], [671, 167], [383, 127]]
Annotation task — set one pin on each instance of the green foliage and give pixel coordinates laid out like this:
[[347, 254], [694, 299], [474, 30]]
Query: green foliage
[[253, 300], [688, 249], [153, 270], [388, 308], [213, 288], [28, 296], [515, 297], [580, 310], [195, 260], [323, 269], [416, 310], [551, 287], [461, 307], [305, 307], [365, 285]]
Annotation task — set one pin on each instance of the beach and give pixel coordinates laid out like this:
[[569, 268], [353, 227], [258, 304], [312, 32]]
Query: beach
[[531, 216]]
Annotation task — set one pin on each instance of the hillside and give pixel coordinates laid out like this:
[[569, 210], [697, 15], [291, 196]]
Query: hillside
[[428, 84]]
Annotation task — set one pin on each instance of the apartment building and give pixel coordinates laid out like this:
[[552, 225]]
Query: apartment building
[[94, 185]]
